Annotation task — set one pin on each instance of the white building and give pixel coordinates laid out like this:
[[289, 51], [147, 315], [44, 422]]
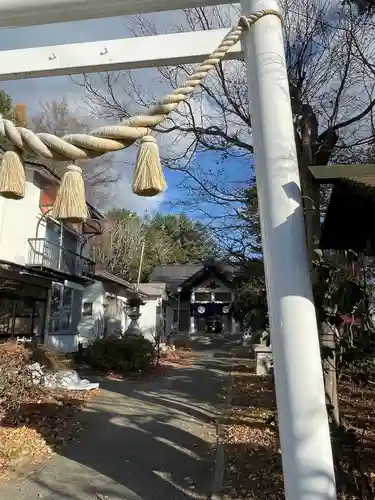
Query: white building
[[196, 297], [152, 321], [49, 287], [104, 307]]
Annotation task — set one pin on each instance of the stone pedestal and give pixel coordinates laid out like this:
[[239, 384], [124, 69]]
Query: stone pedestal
[[133, 329], [132, 310], [263, 359]]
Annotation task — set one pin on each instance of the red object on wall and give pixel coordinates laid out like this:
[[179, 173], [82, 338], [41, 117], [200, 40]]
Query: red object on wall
[[47, 199]]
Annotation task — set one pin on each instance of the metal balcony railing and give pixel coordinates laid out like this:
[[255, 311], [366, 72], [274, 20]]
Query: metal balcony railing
[[43, 253]]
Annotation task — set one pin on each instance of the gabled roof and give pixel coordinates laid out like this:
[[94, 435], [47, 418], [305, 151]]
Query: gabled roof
[[174, 274], [102, 275], [186, 275], [347, 221], [153, 289], [363, 173]]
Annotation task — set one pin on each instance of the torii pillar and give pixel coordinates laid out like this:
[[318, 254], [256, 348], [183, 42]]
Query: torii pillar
[[304, 430]]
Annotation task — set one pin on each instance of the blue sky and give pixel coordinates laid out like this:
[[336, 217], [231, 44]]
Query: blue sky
[[230, 174], [34, 91]]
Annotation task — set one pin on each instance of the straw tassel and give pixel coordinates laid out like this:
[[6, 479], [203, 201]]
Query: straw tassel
[[148, 178], [70, 204], [12, 176]]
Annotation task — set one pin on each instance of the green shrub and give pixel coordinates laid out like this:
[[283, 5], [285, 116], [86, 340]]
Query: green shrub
[[123, 355]]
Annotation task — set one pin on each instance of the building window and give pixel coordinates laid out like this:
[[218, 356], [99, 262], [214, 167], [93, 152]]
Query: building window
[[59, 235], [61, 309], [87, 309], [67, 304], [23, 317], [22, 309], [60, 248], [54, 320], [223, 296], [202, 296]]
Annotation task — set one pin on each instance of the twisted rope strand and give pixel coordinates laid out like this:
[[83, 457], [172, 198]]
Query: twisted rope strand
[[114, 138]]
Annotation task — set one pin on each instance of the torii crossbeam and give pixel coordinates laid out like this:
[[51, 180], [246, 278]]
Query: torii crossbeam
[[304, 431]]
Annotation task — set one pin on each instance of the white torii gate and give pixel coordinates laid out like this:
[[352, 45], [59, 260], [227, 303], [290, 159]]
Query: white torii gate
[[304, 431]]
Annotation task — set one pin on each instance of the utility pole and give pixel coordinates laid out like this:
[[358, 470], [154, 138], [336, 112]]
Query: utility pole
[[140, 265]]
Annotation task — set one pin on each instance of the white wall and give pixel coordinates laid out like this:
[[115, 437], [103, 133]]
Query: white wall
[[21, 220], [92, 327], [148, 321], [63, 343], [18, 223]]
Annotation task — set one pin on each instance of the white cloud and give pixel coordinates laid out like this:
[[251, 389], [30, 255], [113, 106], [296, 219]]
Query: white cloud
[[120, 194], [32, 92], [123, 197]]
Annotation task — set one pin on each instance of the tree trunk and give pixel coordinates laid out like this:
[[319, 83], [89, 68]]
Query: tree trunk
[[328, 340], [311, 198]]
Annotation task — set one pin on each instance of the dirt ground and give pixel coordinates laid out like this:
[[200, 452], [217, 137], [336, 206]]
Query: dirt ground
[[253, 459]]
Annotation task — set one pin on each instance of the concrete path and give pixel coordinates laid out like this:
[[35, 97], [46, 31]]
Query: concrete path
[[149, 440]]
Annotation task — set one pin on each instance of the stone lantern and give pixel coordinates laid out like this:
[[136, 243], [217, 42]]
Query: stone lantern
[[132, 310]]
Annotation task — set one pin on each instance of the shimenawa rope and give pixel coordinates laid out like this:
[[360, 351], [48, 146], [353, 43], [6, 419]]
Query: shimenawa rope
[[148, 176]]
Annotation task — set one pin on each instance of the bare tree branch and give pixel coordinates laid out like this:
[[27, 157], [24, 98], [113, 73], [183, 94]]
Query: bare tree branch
[[208, 141]]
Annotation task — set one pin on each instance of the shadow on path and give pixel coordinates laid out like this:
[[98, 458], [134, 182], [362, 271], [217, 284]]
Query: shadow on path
[[145, 440]]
